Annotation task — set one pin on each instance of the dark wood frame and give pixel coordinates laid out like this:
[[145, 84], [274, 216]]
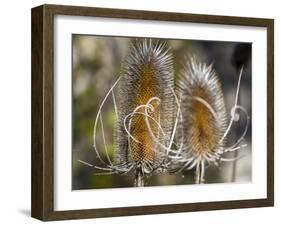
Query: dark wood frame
[[42, 203]]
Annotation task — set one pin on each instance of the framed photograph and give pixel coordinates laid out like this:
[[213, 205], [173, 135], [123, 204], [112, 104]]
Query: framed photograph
[[141, 112]]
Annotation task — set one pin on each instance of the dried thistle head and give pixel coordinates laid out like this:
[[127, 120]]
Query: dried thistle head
[[145, 107], [204, 118]]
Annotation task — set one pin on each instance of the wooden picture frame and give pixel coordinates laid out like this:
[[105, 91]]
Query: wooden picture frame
[[42, 203]]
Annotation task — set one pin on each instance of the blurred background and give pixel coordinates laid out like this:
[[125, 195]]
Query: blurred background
[[97, 63]]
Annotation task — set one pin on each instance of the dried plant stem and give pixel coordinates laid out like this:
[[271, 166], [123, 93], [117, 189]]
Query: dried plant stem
[[197, 174], [139, 181], [200, 172]]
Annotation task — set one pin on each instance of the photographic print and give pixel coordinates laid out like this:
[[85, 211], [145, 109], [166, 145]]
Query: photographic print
[[159, 112], [141, 112]]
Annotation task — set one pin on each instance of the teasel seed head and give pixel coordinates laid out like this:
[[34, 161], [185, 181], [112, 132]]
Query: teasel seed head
[[145, 106], [204, 118]]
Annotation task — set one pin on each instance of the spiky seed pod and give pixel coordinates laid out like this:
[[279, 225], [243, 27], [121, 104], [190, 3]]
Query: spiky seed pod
[[147, 83], [204, 114]]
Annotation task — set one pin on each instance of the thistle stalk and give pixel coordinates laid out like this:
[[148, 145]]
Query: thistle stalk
[[139, 181]]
